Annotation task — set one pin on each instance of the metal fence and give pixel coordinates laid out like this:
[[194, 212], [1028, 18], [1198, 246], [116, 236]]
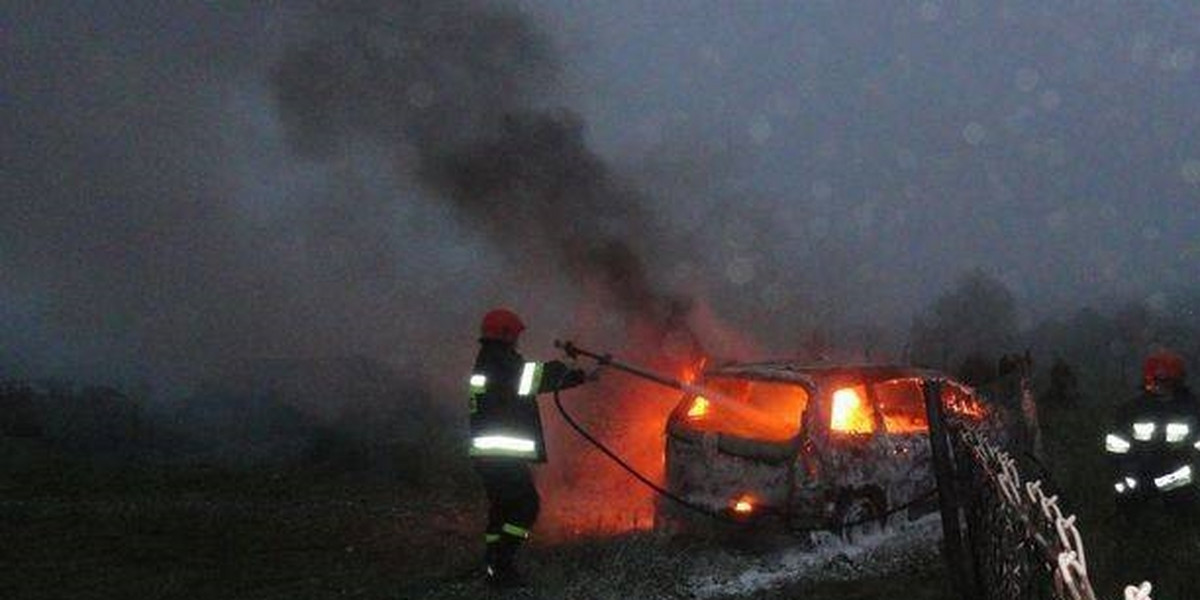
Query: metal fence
[[1006, 537]]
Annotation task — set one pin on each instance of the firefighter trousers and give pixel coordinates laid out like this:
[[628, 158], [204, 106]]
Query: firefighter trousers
[[513, 505]]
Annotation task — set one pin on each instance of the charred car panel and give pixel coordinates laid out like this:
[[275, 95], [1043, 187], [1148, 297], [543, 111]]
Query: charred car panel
[[858, 439]]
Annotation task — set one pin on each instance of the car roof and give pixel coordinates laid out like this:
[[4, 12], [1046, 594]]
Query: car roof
[[815, 373]]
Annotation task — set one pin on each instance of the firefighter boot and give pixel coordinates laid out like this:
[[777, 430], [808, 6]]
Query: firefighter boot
[[490, 553], [502, 571]]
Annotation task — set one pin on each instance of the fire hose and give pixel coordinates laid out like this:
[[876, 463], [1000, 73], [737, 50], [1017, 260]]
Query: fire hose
[[606, 360]]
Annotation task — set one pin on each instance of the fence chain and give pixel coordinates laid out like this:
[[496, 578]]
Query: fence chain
[[1023, 544]]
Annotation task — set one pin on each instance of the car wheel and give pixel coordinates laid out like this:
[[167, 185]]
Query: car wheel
[[860, 514], [672, 520], [665, 521]]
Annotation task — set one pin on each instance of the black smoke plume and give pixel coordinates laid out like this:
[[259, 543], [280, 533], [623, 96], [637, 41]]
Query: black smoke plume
[[454, 91]]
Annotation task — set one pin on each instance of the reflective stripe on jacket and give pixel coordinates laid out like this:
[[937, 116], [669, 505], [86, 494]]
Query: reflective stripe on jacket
[[503, 389]]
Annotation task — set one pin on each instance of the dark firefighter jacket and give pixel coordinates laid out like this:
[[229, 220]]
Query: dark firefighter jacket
[[503, 401], [1154, 436]]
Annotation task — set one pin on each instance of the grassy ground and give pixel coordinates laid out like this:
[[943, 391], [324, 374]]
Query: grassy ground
[[215, 536], [1158, 543], [198, 533], [201, 533]]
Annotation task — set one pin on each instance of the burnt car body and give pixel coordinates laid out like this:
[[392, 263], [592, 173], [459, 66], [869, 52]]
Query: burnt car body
[[808, 446]]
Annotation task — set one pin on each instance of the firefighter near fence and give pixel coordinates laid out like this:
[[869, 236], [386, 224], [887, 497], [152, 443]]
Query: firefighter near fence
[[1005, 536], [1153, 442]]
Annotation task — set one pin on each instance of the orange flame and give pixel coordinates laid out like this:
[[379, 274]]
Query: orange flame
[[850, 413], [584, 493], [962, 403], [699, 408], [689, 373], [743, 505]]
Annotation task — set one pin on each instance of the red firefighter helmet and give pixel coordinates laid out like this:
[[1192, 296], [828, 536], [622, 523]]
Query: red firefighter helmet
[[1163, 366], [501, 324]]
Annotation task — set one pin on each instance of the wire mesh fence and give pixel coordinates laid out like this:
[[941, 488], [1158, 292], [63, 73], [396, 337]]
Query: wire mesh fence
[[1007, 537]]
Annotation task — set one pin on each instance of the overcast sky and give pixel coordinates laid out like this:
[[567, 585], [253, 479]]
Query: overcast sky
[[791, 163]]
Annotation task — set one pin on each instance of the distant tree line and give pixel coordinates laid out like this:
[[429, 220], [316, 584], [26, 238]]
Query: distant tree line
[[971, 327], [337, 416]]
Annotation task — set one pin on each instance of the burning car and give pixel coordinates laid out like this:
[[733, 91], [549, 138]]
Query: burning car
[[808, 446]]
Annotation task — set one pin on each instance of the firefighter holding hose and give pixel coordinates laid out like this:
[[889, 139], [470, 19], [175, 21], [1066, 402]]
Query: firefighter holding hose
[[506, 436]]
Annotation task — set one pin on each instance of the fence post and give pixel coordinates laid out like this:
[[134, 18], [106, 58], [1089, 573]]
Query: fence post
[[955, 546]]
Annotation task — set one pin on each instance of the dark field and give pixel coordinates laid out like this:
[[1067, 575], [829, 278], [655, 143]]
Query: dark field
[[79, 530], [217, 535], [207, 534], [1158, 543]]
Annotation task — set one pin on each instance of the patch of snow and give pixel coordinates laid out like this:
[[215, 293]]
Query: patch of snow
[[829, 558]]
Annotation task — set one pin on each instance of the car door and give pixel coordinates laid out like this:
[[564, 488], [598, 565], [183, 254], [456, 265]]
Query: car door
[[905, 469]]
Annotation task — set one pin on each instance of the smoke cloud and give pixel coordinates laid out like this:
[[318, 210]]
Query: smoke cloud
[[188, 183], [456, 93], [459, 96]]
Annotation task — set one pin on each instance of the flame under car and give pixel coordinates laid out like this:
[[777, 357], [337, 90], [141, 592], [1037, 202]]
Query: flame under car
[[806, 447]]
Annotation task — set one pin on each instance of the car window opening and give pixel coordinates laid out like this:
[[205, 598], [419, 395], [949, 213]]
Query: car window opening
[[754, 409], [851, 413], [901, 402]]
